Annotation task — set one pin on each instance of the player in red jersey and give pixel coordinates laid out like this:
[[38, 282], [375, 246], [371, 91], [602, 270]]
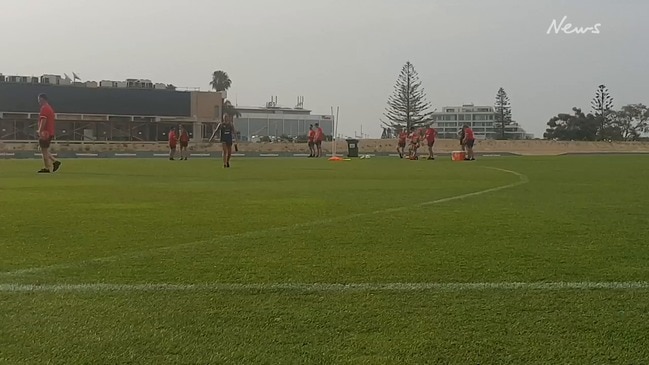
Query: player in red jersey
[[469, 141], [46, 131], [414, 143], [311, 142], [173, 140], [429, 135], [184, 142], [401, 146], [318, 138]]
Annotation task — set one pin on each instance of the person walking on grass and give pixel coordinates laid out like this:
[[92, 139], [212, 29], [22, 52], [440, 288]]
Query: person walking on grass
[[184, 142], [46, 131], [173, 140], [430, 136], [401, 144], [414, 144], [311, 142], [226, 131], [318, 138]]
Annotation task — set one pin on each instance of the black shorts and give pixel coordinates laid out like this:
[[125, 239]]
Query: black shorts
[[227, 140], [318, 143], [311, 144], [470, 143], [183, 144], [45, 143], [402, 145], [430, 143]]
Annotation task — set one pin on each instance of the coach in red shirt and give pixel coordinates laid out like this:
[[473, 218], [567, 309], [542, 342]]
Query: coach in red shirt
[[318, 138], [46, 130], [311, 141], [469, 141], [173, 140], [430, 136]]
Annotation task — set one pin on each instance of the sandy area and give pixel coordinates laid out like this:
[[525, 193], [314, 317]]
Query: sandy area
[[531, 147]]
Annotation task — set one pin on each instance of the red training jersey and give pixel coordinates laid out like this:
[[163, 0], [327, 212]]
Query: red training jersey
[[311, 135], [402, 137], [184, 137], [47, 117], [468, 134], [172, 137], [414, 137], [319, 135], [430, 134]]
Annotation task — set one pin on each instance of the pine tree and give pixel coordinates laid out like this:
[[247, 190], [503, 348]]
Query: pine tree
[[602, 104], [407, 107], [503, 112]]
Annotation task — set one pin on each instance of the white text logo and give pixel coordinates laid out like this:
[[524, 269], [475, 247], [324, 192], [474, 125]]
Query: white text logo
[[568, 28]]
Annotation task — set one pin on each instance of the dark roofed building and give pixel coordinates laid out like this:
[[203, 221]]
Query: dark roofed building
[[86, 113], [21, 98]]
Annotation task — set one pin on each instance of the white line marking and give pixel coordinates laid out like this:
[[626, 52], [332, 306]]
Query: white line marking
[[268, 155], [125, 155], [200, 155], [325, 287], [34, 270], [86, 154], [41, 155], [7, 154], [238, 154], [160, 155], [300, 155]]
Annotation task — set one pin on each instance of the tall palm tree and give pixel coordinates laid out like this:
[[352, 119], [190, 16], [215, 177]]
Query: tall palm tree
[[220, 81]]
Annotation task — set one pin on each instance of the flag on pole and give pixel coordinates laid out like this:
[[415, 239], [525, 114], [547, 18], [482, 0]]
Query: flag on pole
[[67, 78], [76, 77]]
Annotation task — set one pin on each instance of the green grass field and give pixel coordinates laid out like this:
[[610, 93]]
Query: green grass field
[[518, 260]]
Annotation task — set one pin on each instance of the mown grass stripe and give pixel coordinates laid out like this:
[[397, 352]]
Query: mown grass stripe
[[326, 287]]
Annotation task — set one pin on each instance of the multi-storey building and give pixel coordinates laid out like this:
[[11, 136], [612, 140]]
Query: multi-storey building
[[86, 112], [482, 120]]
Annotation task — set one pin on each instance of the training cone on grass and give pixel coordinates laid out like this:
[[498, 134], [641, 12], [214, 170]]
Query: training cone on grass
[[335, 158]]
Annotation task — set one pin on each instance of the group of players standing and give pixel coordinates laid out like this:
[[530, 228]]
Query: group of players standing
[[174, 138], [428, 136], [315, 138], [225, 130]]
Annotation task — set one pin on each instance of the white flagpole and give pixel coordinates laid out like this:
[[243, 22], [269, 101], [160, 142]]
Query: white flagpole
[[333, 132], [336, 128]]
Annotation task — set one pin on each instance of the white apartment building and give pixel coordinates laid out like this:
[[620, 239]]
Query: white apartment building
[[482, 120]]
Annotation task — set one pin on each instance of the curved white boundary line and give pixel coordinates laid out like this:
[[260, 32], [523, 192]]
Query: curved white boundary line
[[522, 179], [323, 287]]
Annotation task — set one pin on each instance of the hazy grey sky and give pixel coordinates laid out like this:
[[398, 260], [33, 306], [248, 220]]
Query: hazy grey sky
[[343, 52]]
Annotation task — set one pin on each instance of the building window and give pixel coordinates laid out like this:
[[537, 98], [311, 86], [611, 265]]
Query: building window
[[450, 110]]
